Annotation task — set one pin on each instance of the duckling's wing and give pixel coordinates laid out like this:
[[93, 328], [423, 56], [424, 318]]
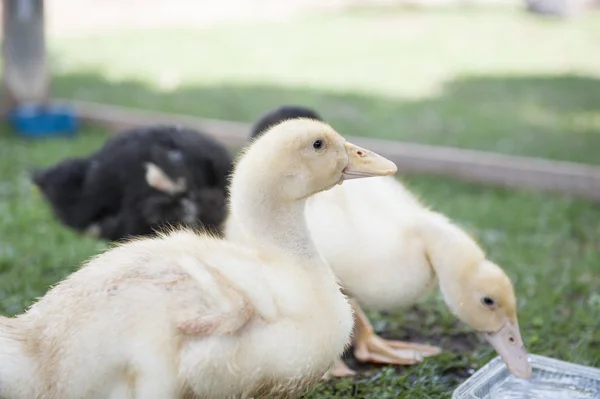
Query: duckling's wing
[[201, 320], [223, 290], [206, 304]]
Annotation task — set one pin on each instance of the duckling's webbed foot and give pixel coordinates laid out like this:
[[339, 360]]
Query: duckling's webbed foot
[[374, 349], [368, 347]]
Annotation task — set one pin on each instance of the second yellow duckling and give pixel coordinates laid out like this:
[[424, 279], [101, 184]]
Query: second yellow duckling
[[400, 252]]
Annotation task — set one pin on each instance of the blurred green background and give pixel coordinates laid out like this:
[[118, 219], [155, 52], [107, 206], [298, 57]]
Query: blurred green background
[[488, 78]]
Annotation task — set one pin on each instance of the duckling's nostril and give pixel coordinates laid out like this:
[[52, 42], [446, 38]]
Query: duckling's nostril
[[511, 340], [360, 153]]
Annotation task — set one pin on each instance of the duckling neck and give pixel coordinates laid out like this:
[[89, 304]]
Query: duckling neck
[[276, 224], [449, 250]]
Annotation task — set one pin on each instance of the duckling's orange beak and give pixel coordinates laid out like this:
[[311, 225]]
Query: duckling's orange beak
[[509, 345], [365, 163]]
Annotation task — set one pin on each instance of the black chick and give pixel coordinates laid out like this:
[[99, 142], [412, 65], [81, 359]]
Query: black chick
[[280, 114], [139, 181]]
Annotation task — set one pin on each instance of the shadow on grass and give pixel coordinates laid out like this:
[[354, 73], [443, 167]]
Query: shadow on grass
[[556, 117]]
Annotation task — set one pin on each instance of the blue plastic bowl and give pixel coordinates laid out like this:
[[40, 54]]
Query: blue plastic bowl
[[37, 121]]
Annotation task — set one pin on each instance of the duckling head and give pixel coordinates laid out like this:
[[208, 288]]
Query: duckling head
[[488, 304], [476, 290], [301, 157]]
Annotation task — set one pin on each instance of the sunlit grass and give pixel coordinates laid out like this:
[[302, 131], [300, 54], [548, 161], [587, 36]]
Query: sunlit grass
[[501, 81]]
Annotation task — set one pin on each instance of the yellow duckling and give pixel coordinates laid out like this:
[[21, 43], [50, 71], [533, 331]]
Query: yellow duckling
[[186, 315], [388, 251]]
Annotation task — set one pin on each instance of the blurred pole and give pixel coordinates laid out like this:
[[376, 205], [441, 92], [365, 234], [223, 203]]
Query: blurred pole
[[25, 77]]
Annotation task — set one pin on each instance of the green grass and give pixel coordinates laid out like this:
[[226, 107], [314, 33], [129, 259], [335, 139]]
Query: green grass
[[35, 251], [549, 246], [501, 81], [498, 80]]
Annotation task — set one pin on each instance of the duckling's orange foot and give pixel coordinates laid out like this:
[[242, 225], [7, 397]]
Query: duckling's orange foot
[[375, 349], [339, 369]]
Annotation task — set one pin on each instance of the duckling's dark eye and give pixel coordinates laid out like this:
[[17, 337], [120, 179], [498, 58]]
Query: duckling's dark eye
[[487, 301], [318, 144]]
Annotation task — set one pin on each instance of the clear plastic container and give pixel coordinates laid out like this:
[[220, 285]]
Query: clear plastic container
[[551, 379]]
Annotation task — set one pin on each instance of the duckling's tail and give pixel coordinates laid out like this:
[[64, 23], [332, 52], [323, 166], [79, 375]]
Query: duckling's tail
[[17, 378]]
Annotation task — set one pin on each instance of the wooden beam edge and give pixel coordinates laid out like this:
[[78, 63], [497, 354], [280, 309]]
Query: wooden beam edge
[[570, 178]]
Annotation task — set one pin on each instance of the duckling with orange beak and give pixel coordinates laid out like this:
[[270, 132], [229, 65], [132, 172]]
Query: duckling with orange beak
[[188, 315], [388, 251]]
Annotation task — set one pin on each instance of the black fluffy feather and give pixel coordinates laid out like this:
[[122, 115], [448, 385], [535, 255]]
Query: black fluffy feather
[[109, 190], [280, 114]]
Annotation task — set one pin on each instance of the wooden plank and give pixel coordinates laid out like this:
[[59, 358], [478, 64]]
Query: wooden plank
[[475, 166], [231, 134]]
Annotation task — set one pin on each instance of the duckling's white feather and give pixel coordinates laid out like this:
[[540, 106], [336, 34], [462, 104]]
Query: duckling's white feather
[[366, 230]]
